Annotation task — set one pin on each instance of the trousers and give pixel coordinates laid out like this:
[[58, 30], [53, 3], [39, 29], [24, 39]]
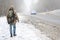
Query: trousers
[[12, 29]]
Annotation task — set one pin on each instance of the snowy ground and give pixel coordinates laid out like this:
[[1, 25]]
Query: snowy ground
[[24, 31]]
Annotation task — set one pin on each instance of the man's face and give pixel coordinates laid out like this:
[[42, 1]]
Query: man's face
[[10, 12]]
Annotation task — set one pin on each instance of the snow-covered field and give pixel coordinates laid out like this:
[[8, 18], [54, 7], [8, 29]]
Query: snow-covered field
[[24, 31]]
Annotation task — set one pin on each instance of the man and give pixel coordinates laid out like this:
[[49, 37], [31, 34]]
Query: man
[[12, 18]]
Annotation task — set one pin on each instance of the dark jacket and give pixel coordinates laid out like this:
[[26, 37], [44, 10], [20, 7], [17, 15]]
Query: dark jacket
[[13, 19]]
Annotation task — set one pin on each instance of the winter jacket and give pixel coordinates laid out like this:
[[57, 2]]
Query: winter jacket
[[13, 19]]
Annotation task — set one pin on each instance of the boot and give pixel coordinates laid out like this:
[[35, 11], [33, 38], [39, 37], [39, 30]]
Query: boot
[[11, 35], [14, 34]]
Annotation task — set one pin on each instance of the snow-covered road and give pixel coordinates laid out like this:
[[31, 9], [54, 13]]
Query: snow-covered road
[[24, 31]]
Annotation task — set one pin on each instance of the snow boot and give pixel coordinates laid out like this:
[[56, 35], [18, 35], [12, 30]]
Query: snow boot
[[11, 35], [14, 34]]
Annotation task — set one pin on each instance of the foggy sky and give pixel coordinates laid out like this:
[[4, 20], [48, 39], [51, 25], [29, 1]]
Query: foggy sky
[[41, 6]]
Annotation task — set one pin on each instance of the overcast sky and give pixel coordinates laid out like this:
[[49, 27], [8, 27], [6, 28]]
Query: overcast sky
[[29, 5], [40, 6]]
